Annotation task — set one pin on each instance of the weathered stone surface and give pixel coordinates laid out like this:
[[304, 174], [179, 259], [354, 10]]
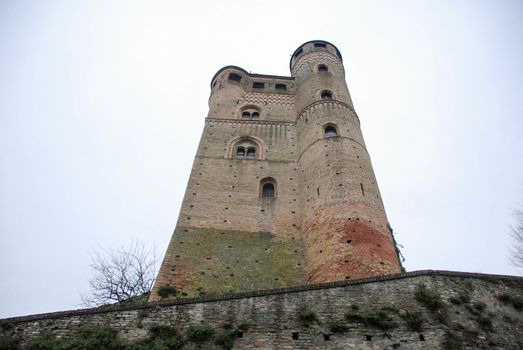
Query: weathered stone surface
[[326, 191], [467, 299]]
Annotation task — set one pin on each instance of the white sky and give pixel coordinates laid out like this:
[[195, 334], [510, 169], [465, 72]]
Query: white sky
[[102, 104]]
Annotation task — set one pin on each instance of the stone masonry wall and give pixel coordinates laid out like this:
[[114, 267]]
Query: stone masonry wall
[[474, 312]]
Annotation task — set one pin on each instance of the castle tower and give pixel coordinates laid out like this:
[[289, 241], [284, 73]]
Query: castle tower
[[282, 190]]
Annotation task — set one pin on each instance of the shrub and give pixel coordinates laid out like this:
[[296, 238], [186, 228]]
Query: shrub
[[515, 300], [6, 325], [379, 319], [166, 291], [199, 333], [452, 340], [87, 339], [477, 308], [338, 327], [161, 331], [485, 322], [307, 317], [432, 300], [9, 343], [244, 327], [414, 321], [226, 339], [462, 298]]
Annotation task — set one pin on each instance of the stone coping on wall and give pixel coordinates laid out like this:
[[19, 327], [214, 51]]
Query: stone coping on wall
[[252, 294]]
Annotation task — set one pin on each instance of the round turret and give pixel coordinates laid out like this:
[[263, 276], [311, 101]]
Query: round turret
[[345, 228]]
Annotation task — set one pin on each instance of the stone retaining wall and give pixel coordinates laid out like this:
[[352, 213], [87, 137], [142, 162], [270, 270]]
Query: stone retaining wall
[[476, 313]]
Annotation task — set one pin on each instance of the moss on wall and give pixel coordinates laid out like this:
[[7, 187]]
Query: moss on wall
[[209, 261]]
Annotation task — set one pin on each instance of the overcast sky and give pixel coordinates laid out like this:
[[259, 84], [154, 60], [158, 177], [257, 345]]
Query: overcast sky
[[102, 104]]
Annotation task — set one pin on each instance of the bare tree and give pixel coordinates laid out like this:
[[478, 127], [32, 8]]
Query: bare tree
[[516, 232], [121, 274]]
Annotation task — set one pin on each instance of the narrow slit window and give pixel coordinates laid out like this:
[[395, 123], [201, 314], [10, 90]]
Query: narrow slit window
[[298, 52], [240, 153], [251, 153], [320, 45], [330, 131], [258, 85], [268, 190], [323, 68]]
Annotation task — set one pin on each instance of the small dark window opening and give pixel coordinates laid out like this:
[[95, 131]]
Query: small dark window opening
[[330, 131], [295, 335], [240, 153], [246, 115], [320, 45], [255, 115], [326, 336], [323, 68], [421, 337], [369, 337], [235, 77], [239, 334], [326, 95], [258, 85], [298, 52], [268, 190], [251, 153], [281, 87]]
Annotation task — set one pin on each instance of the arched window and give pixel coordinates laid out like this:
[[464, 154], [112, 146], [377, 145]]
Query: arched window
[[323, 68], [240, 153], [251, 153], [249, 113], [245, 148], [326, 95], [268, 190], [330, 130]]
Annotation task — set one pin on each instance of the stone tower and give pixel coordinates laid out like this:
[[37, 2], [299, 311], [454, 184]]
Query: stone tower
[[282, 190]]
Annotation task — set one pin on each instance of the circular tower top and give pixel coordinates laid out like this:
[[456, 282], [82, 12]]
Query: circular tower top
[[314, 45]]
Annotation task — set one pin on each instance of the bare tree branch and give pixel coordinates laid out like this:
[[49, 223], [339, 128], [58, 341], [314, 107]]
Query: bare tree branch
[[120, 274], [516, 232]]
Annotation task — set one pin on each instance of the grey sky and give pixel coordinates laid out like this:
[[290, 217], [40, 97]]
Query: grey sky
[[102, 104]]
